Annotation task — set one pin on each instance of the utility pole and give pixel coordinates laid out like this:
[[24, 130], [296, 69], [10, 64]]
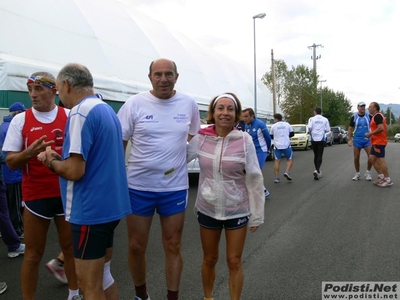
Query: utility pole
[[314, 57], [273, 81]]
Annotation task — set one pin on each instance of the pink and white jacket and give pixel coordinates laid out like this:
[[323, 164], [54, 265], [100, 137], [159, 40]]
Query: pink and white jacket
[[231, 184]]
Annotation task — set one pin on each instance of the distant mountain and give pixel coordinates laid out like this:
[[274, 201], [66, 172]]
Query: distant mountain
[[395, 108]]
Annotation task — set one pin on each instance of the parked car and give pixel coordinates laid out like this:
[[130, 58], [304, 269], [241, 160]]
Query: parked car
[[301, 138], [397, 137], [345, 136], [337, 134], [329, 138], [193, 165]]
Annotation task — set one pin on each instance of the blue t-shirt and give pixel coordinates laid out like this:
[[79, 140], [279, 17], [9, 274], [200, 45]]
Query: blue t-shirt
[[101, 195], [10, 176], [260, 134]]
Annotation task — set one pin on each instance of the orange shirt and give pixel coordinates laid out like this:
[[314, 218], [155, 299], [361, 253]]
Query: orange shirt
[[380, 138]]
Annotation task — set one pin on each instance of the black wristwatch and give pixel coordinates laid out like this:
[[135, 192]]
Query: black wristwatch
[[50, 166]]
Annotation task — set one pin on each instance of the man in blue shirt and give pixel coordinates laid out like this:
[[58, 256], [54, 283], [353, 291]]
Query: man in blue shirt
[[93, 181], [13, 178], [261, 138], [359, 126]]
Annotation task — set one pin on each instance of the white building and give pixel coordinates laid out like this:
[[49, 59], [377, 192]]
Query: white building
[[117, 44]]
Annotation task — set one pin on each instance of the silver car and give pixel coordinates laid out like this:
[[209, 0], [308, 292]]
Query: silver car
[[329, 138]]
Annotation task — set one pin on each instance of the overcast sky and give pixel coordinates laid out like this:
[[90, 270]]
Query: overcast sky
[[360, 39]]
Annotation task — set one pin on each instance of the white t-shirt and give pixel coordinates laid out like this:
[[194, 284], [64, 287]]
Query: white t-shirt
[[318, 126], [158, 130], [14, 141], [281, 130]]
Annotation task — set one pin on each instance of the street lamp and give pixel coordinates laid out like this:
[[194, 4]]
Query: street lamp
[[259, 16], [321, 91]]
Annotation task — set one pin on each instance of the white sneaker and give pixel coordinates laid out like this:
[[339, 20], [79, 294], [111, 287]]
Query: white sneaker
[[379, 180], [315, 174], [17, 252], [385, 183], [138, 298], [266, 192], [368, 176], [57, 270], [356, 177], [319, 174]]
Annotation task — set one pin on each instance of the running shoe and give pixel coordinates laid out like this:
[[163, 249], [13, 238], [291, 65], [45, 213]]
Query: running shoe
[[356, 177], [385, 183], [138, 298], [266, 192], [368, 176], [3, 287], [277, 180], [379, 180], [315, 174], [77, 297], [57, 270], [287, 176], [17, 252]]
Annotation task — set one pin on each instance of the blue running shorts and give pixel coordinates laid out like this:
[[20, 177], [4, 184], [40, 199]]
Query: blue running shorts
[[164, 203]]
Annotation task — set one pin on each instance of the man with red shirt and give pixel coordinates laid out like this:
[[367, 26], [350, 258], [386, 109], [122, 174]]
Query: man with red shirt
[[378, 136], [29, 134]]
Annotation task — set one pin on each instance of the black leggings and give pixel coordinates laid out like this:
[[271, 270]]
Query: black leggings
[[318, 149]]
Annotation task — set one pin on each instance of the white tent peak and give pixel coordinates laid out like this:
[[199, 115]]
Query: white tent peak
[[117, 44]]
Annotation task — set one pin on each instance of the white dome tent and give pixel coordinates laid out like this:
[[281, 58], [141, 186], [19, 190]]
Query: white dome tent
[[117, 44]]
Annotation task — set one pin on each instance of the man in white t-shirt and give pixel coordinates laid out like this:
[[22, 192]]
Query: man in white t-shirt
[[281, 132], [318, 126], [158, 123]]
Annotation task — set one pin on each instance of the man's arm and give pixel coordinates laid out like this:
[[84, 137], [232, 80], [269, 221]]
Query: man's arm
[[350, 136], [16, 160], [73, 168]]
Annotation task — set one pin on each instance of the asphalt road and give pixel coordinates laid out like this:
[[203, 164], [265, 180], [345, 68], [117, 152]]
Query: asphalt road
[[333, 229]]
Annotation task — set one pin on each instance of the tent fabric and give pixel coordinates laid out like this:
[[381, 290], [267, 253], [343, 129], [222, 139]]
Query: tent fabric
[[117, 44]]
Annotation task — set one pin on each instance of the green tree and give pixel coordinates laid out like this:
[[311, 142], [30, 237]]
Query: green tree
[[298, 94], [389, 116]]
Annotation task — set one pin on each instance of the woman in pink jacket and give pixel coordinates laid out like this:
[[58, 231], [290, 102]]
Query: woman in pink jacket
[[230, 194]]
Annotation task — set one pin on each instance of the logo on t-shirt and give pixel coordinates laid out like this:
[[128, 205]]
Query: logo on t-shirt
[[181, 118]]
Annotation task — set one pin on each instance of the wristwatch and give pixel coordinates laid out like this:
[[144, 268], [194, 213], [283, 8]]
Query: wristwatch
[[50, 166]]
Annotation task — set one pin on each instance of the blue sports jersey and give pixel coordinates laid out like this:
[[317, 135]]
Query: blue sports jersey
[[101, 195], [259, 132], [361, 126]]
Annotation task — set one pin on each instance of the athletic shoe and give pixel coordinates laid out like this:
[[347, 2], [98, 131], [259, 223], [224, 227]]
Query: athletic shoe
[[287, 176], [368, 176], [266, 192], [77, 297], [356, 177], [385, 183], [379, 180], [315, 173], [319, 174], [22, 235], [57, 270], [277, 180], [18, 252], [3, 287], [138, 298]]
